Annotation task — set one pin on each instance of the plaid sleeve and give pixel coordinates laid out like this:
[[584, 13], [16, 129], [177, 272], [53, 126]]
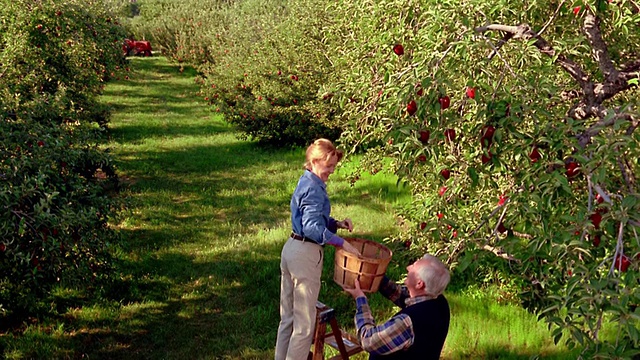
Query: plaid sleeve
[[394, 292], [396, 334]]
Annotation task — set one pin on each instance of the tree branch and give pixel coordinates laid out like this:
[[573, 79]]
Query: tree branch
[[633, 66], [524, 32], [500, 43], [585, 137], [499, 252], [599, 47], [628, 181]]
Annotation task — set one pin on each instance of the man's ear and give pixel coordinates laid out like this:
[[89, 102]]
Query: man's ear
[[420, 285]]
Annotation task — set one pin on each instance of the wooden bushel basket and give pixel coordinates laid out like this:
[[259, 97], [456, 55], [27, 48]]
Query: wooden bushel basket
[[368, 268]]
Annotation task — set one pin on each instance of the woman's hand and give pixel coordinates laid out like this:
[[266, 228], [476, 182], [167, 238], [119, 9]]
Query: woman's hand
[[345, 224], [349, 248]]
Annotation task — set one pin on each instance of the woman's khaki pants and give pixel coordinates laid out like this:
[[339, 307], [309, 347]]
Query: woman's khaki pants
[[301, 269]]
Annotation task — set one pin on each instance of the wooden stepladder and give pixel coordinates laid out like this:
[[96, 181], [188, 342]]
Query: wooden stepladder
[[344, 342]]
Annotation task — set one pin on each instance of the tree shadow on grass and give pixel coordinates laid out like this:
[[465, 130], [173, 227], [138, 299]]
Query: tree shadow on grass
[[178, 306], [155, 91]]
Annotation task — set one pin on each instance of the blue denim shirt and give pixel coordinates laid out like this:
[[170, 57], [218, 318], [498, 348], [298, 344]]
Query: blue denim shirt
[[310, 210]]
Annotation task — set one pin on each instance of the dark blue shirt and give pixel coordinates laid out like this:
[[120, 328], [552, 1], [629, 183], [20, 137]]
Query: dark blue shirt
[[310, 209]]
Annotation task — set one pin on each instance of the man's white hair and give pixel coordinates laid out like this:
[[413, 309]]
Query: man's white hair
[[434, 274]]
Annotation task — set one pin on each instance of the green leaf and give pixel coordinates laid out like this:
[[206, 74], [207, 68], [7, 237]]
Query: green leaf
[[629, 201], [473, 175]]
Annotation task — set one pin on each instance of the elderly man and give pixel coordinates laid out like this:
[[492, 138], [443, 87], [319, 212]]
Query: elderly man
[[419, 330]]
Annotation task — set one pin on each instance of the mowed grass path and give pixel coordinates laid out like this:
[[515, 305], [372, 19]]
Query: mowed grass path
[[198, 274]]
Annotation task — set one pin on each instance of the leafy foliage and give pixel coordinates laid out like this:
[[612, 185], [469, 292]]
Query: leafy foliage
[[55, 178]]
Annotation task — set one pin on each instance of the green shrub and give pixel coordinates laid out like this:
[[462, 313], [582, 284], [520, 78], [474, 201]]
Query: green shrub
[[55, 179]]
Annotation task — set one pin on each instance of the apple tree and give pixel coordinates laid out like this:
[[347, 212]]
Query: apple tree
[[515, 126]]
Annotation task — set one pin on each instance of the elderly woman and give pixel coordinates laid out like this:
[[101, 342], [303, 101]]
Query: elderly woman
[[301, 260]]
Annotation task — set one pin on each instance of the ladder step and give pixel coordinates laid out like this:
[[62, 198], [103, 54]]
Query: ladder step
[[348, 344]]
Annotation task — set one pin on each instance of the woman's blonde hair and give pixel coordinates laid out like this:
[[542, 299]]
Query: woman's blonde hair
[[321, 149]]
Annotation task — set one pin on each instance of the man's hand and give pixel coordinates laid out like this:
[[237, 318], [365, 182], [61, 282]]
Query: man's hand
[[345, 224], [349, 248], [356, 293]]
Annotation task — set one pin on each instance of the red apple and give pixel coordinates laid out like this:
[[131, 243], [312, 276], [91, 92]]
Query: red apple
[[471, 92], [576, 10], [454, 233], [422, 158], [502, 200], [487, 135], [596, 240], [486, 158], [599, 199], [407, 244], [446, 173], [3, 247], [423, 225], [424, 136], [596, 218], [420, 91], [442, 190], [40, 143], [412, 107], [622, 262], [572, 168], [294, 77], [501, 228], [440, 215], [450, 134], [390, 141], [534, 155], [398, 49], [444, 102]]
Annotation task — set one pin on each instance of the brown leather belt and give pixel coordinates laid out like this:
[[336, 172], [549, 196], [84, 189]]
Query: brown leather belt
[[302, 238]]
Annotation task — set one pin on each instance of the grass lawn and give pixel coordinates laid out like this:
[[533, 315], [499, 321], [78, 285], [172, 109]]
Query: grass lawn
[[209, 213]]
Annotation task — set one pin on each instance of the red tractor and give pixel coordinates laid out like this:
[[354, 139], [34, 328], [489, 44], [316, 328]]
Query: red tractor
[[134, 47]]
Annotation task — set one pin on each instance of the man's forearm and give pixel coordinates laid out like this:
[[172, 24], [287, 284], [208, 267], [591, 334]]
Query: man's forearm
[[392, 336], [393, 291], [363, 314]]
